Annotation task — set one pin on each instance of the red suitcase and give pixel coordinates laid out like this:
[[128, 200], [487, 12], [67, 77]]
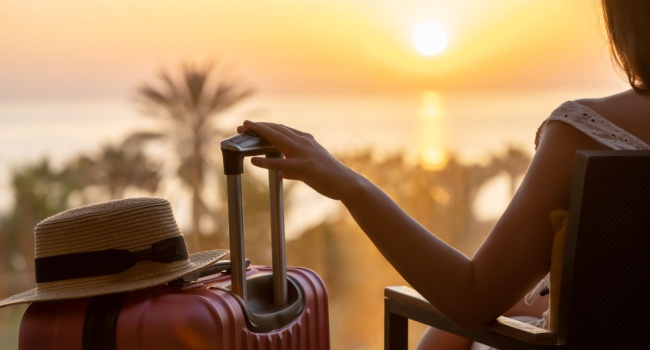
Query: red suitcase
[[198, 315], [228, 308]]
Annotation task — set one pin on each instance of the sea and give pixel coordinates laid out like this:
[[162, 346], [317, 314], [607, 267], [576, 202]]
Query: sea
[[420, 125]]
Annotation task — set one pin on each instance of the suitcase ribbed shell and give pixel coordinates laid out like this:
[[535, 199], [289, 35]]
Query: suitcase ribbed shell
[[196, 316]]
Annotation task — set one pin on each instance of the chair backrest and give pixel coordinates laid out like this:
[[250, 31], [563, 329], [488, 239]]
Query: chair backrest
[[605, 293]]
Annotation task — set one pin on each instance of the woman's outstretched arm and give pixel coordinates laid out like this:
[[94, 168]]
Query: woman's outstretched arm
[[471, 292]]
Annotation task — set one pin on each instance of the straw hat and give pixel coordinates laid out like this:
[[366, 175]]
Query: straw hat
[[109, 247]]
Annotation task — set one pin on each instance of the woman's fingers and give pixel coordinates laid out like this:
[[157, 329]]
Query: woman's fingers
[[276, 134], [290, 142], [268, 163], [296, 131], [304, 158], [280, 128], [277, 164]]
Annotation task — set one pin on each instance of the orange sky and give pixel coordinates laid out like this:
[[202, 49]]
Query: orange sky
[[83, 49]]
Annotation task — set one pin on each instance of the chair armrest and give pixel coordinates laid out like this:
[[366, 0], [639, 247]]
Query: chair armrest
[[504, 326]]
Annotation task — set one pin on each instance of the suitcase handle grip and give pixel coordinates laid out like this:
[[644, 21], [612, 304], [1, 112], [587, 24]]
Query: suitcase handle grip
[[236, 148]]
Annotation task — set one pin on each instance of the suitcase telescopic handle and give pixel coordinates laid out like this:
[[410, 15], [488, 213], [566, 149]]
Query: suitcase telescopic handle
[[234, 150]]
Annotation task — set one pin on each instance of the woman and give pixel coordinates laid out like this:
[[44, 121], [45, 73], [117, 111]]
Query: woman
[[516, 254]]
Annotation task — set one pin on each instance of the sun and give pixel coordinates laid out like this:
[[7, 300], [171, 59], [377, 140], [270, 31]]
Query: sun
[[430, 38]]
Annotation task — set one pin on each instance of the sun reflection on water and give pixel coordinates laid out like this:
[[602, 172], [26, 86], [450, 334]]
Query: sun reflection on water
[[431, 138]]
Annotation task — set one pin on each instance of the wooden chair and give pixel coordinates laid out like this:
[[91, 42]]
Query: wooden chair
[[604, 299]]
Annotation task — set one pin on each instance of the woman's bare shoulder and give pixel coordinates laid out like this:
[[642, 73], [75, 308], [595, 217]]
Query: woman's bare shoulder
[[626, 102], [628, 110]]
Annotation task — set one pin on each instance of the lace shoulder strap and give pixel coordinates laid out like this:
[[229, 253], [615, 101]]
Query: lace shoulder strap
[[593, 125]]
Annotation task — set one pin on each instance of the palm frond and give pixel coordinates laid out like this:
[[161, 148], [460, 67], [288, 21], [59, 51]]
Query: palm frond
[[226, 95], [195, 79], [152, 96], [136, 140]]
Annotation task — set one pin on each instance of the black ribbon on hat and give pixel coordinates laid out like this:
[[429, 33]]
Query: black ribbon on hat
[[107, 262]]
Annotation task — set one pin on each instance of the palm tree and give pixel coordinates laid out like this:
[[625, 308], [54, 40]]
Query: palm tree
[[114, 170], [186, 110]]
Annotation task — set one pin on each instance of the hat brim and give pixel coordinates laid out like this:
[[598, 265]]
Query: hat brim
[[140, 276]]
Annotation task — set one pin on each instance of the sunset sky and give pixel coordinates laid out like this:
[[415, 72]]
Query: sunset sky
[[94, 49]]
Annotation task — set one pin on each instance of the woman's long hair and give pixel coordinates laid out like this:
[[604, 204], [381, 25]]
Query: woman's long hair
[[628, 29]]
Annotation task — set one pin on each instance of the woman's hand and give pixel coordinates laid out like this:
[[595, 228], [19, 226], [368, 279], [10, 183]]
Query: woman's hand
[[304, 159]]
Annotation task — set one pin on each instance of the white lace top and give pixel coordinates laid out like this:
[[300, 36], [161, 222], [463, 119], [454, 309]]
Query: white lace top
[[593, 125]]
